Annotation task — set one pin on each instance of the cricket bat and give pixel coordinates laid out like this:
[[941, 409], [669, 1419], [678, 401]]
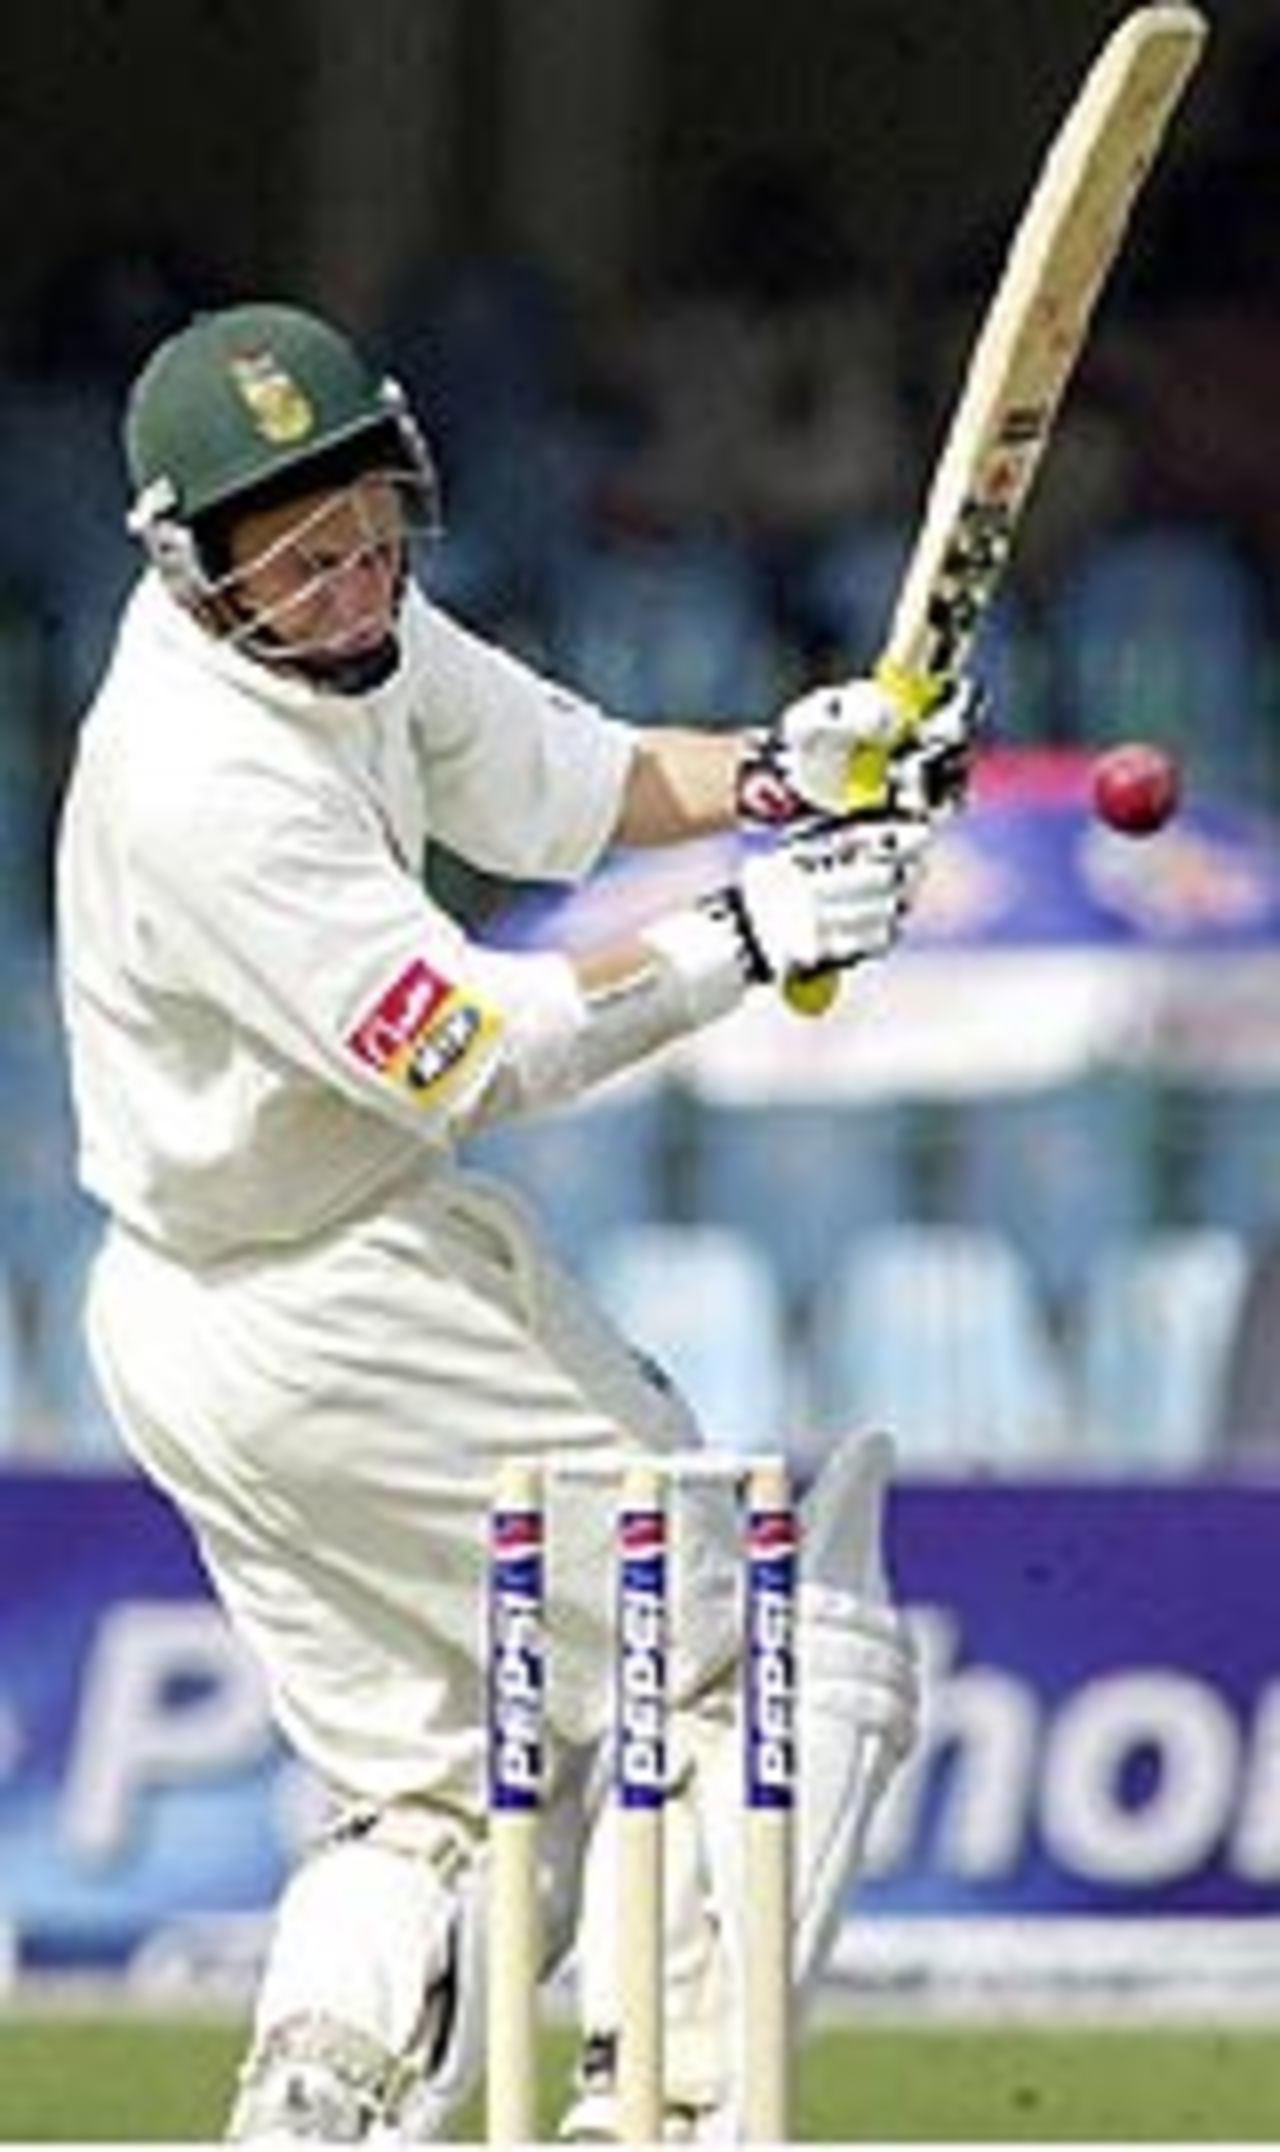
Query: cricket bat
[[1035, 326]]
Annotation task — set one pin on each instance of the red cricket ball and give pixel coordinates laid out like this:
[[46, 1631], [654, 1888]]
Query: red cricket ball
[[1135, 788]]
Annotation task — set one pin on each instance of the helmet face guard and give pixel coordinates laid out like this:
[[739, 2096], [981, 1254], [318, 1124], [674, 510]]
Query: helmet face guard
[[320, 594]]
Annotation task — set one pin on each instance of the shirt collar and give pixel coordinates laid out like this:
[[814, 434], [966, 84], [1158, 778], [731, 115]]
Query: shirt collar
[[175, 628]]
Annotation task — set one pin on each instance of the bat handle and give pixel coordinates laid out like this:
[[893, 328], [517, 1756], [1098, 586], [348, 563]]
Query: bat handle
[[814, 993], [811, 993]]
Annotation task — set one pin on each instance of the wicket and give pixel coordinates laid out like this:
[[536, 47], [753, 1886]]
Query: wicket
[[517, 1697]]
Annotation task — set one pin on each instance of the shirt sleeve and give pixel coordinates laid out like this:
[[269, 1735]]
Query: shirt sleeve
[[522, 777]]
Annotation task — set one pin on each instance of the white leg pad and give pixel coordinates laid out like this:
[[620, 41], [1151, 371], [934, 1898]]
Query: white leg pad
[[370, 2012], [360, 1952], [450, 2073], [454, 2067]]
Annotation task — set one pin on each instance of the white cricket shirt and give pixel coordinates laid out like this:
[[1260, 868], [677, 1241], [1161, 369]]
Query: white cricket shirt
[[269, 1019]]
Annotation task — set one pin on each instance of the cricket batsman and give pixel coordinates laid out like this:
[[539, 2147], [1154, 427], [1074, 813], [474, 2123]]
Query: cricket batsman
[[317, 1331]]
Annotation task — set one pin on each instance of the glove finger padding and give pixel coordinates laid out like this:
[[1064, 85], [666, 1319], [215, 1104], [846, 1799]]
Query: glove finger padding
[[832, 896], [929, 773], [858, 747], [799, 765]]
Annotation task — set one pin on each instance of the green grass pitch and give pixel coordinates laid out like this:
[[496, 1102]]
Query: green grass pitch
[[100, 2079]]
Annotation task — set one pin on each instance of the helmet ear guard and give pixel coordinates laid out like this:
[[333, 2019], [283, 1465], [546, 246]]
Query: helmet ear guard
[[170, 545], [425, 502]]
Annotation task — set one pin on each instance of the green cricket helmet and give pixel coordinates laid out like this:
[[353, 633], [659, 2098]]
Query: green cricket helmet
[[245, 407], [241, 402]]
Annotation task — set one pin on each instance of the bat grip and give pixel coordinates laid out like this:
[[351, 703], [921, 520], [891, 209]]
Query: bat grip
[[814, 993]]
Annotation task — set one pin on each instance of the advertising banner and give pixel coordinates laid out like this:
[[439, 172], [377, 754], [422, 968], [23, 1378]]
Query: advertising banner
[[1101, 1738], [1102, 1718], [143, 1796]]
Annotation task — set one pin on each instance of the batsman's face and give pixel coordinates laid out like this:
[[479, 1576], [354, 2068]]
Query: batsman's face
[[315, 582]]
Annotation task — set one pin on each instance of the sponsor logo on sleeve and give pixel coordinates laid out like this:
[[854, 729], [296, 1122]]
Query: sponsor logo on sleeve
[[422, 1031]]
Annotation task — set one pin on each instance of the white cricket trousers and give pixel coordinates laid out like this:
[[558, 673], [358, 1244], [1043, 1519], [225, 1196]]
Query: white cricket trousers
[[328, 1417]]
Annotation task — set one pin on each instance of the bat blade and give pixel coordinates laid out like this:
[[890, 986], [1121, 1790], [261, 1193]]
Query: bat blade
[[1036, 325], [1057, 266]]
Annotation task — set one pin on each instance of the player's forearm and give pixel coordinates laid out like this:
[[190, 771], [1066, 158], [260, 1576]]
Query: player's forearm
[[682, 783], [571, 1024], [833, 896]]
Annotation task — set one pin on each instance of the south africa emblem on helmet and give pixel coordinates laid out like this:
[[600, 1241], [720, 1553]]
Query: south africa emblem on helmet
[[278, 407]]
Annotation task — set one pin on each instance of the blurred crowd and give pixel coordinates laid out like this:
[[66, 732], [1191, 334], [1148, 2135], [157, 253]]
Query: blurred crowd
[[689, 502]]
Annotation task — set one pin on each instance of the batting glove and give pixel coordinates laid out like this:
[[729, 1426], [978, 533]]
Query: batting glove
[[853, 749], [826, 898]]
